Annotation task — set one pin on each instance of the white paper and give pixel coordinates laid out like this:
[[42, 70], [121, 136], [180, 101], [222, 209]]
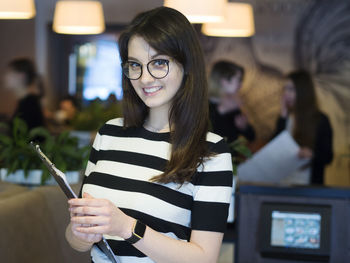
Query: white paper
[[274, 162]]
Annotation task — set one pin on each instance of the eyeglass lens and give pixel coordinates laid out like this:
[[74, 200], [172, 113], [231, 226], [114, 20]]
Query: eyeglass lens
[[158, 68]]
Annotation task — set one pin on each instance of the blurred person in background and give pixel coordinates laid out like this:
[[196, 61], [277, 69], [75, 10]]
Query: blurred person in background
[[22, 78], [226, 116], [68, 108], [307, 124]]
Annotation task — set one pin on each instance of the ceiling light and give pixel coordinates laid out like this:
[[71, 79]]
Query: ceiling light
[[238, 22], [17, 9], [78, 17]]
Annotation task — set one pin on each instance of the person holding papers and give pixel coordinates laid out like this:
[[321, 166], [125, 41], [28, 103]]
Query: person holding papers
[[309, 127], [158, 184]]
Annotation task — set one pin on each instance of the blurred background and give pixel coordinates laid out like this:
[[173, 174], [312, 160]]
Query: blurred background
[[292, 34]]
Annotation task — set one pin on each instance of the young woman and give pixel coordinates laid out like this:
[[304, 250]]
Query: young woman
[[226, 117], [157, 184], [310, 128]]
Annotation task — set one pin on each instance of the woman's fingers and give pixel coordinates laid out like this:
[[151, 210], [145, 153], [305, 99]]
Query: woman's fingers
[[86, 195], [90, 220], [88, 210], [87, 202], [96, 229]]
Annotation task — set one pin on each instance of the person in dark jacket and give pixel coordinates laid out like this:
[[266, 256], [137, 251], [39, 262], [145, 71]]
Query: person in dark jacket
[[226, 116], [22, 78], [309, 127]]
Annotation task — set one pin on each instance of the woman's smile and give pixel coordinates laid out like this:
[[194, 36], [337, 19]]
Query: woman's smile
[[152, 91]]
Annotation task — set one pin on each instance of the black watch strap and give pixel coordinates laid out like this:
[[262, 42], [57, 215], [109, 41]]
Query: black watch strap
[[138, 232]]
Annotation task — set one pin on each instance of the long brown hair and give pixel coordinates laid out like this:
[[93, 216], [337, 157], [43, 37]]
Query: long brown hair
[[170, 33], [305, 110]]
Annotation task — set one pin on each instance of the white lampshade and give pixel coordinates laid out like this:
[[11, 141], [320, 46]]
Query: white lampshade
[[17, 9], [78, 17], [238, 22], [199, 11]]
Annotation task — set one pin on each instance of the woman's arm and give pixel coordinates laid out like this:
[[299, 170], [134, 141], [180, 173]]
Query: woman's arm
[[105, 218], [203, 247]]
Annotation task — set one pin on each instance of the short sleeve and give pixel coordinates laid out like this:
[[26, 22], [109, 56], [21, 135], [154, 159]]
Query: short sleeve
[[213, 190]]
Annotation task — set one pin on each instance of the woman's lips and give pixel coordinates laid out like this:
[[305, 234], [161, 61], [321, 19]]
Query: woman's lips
[[149, 91]]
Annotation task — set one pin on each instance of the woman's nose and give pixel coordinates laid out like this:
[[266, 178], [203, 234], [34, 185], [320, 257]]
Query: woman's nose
[[146, 77]]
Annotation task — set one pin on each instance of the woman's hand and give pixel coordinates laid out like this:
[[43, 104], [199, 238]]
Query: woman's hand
[[88, 238], [305, 153], [94, 217], [241, 122]]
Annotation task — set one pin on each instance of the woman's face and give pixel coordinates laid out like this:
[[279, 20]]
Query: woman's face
[[289, 94], [155, 93]]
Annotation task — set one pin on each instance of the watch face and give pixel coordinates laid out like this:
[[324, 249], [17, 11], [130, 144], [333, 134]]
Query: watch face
[[139, 229], [137, 233]]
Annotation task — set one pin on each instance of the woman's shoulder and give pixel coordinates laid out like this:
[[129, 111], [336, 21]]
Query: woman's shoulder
[[217, 143], [111, 126], [116, 122], [213, 137]]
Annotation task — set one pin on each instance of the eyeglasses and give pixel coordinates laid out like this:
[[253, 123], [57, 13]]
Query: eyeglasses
[[158, 68]]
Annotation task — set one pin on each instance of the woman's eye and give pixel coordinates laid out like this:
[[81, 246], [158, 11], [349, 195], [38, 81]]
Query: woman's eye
[[134, 65], [160, 62]]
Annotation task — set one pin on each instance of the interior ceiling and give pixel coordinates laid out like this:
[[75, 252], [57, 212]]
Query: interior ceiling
[[122, 11]]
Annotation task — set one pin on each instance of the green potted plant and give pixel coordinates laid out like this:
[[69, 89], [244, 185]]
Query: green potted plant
[[87, 121], [240, 152], [18, 160], [93, 116]]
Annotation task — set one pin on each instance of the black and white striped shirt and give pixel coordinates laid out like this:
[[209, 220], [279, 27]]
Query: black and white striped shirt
[[120, 167]]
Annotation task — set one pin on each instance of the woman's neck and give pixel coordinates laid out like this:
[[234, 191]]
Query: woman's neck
[[157, 120]]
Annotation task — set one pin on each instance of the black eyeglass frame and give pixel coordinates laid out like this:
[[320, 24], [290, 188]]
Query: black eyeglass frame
[[147, 66]]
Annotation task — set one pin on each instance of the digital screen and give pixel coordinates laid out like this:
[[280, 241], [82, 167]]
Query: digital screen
[[99, 70], [296, 230]]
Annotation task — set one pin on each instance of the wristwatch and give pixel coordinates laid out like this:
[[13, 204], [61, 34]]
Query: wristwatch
[[138, 231]]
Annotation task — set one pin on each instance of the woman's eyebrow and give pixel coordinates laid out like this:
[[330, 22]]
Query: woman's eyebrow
[[132, 58], [156, 55], [152, 57]]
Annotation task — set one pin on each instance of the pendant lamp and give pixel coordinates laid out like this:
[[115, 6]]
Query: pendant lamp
[[17, 9], [238, 22], [78, 17]]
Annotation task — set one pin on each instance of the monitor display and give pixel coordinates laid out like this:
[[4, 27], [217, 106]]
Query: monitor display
[[293, 229], [95, 70], [299, 231]]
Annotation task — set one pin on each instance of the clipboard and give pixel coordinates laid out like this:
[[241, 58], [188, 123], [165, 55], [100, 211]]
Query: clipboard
[[61, 180]]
